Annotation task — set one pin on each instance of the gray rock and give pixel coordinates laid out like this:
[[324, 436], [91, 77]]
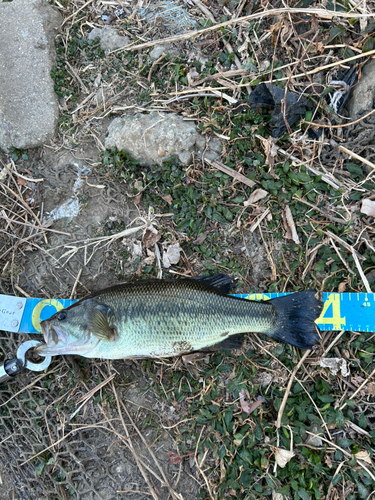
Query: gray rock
[[362, 100], [158, 51], [109, 38], [152, 139], [28, 105]]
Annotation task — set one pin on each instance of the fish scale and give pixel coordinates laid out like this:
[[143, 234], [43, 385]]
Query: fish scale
[[161, 318], [158, 321]]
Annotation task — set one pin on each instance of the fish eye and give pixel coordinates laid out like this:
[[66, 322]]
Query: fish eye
[[61, 316]]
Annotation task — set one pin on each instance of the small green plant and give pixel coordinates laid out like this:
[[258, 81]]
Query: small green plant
[[18, 153]]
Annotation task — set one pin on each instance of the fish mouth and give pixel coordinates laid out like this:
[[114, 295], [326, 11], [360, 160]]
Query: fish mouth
[[53, 334], [57, 342]]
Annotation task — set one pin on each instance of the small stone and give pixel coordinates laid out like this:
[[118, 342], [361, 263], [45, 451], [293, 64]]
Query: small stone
[[158, 51], [363, 95], [109, 38], [153, 138]]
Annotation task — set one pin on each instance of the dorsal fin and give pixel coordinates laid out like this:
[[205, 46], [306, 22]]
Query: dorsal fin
[[222, 282]]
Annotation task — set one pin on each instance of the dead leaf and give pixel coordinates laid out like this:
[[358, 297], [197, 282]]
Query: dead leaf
[[342, 286], [369, 389], [137, 199], [244, 404], [172, 255], [150, 238], [264, 379], [150, 259], [3, 173], [223, 470], [314, 440], [253, 406], [270, 149], [278, 496], [357, 380], [364, 456], [368, 207], [174, 458], [20, 181], [137, 249], [201, 238], [328, 461], [289, 226], [264, 65], [335, 365], [167, 198], [256, 195], [192, 75], [282, 456], [274, 29]]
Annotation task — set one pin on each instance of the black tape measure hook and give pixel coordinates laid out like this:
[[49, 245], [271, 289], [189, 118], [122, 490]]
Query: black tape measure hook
[[12, 367]]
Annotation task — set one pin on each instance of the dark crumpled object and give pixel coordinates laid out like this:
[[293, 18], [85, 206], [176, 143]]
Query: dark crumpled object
[[267, 94]]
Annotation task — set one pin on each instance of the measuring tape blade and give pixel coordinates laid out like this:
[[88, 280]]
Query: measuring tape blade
[[341, 311]]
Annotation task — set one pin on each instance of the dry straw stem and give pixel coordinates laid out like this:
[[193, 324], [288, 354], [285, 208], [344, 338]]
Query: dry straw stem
[[345, 125], [89, 394], [341, 257], [328, 66], [300, 383], [76, 281], [360, 270], [354, 155], [259, 220], [336, 339], [319, 13], [199, 467], [76, 12], [57, 368], [139, 462], [365, 382], [324, 213], [76, 429], [263, 73], [344, 244], [24, 205], [96, 243], [343, 451], [130, 446], [328, 179], [229, 171], [283, 403], [32, 226], [171, 490], [269, 257]]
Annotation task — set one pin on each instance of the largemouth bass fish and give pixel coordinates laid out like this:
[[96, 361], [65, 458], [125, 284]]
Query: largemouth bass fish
[[161, 318]]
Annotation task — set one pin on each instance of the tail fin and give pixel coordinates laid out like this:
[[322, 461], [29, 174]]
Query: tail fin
[[297, 313]]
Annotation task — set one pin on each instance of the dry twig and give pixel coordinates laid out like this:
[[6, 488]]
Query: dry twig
[[287, 391]]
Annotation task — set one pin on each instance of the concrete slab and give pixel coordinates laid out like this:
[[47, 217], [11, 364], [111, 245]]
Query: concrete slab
[[28, 104]]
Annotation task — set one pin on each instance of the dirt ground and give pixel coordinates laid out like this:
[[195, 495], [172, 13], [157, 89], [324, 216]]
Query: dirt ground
[[149, 430]]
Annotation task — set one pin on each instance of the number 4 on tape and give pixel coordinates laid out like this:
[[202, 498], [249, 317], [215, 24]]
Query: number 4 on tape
[[331, 314]]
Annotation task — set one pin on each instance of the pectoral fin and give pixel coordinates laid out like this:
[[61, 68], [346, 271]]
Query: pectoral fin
[[100, 322]]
